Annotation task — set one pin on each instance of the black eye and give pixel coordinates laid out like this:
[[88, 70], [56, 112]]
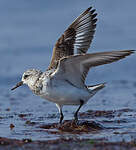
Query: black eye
[[25, 76]]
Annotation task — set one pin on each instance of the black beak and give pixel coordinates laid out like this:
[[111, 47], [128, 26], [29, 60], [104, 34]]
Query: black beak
[[17, 85]]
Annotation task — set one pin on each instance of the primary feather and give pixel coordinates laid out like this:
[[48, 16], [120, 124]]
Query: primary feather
[[76, 39]]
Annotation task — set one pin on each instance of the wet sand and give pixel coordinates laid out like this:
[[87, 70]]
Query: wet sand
[[71, 135], [63, 144]]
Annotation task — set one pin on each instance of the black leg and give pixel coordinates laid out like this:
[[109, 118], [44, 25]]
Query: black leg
[[76, 113], [61, 116]]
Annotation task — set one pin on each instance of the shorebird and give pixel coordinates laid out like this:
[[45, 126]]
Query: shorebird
[[64, 81]]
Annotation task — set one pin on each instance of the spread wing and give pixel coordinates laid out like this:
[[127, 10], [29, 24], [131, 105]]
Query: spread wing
[[77, 37], [75, 68]]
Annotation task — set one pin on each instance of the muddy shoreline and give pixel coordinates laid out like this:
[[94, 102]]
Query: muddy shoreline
[[65, 142], [62, 144]]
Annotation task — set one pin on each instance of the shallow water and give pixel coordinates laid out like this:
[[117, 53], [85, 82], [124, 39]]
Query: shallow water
[[28, 31], [28, 112]]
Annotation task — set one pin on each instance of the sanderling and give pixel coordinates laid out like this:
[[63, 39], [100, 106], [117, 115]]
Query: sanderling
[[64, 81]]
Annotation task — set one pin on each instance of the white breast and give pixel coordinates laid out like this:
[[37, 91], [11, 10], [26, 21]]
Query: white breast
[[62, 92]]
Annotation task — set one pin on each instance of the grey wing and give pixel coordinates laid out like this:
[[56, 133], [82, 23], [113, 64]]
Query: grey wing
[[75, 68], [76, 39]]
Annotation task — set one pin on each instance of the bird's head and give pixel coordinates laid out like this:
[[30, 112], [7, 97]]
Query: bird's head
[[29, 78]]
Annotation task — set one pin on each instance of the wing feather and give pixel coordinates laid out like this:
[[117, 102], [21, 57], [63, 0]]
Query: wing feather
[[76, 39], [75, 68]]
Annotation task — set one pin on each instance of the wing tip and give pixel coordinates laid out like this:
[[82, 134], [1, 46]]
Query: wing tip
[[128, 52], [132, 51], [89, 8]]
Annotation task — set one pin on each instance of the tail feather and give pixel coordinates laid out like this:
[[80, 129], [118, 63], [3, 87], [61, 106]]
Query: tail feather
[[95, 88]]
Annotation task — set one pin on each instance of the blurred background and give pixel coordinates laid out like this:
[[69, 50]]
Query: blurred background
[[29, 29], [28, 32]]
